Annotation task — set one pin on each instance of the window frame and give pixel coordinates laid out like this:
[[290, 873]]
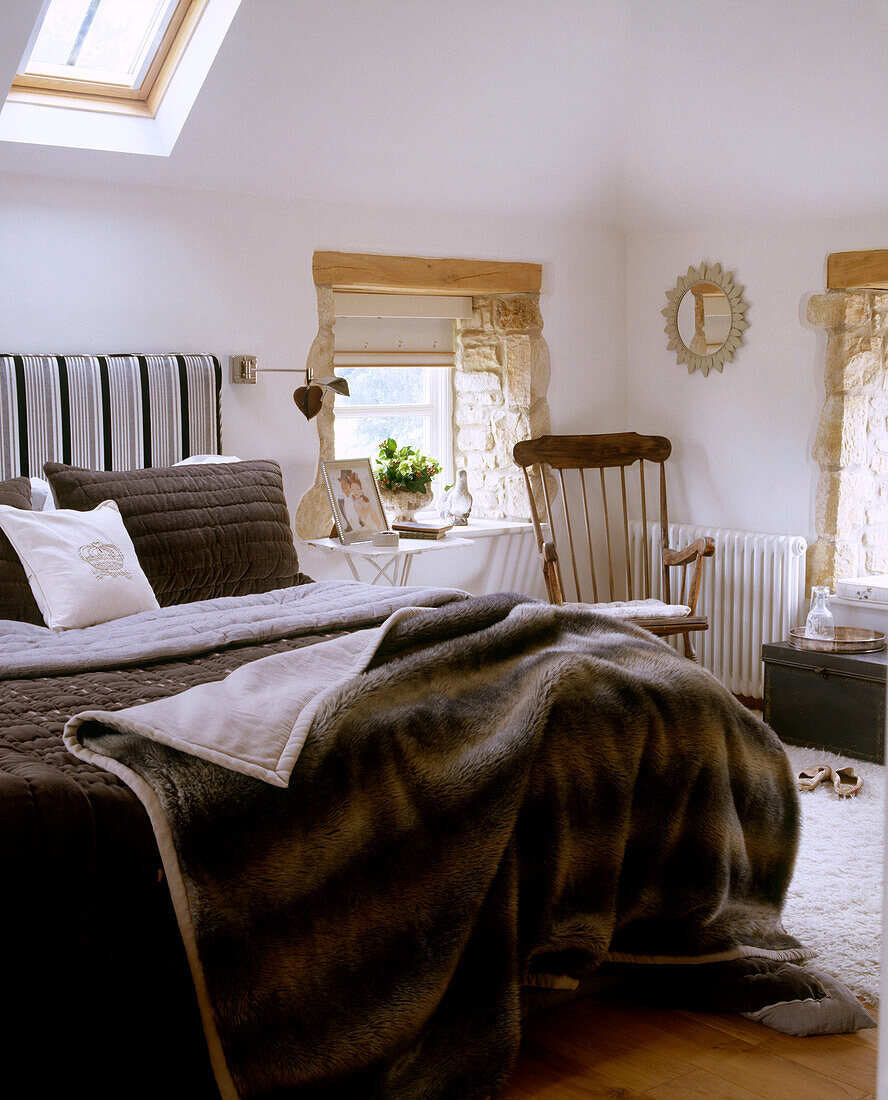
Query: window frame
[[112, 97], [439, 408]]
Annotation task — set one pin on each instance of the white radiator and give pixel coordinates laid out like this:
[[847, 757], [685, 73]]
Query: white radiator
[[753, 592]]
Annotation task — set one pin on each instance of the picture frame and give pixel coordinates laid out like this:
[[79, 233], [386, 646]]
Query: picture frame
[[354, 499]]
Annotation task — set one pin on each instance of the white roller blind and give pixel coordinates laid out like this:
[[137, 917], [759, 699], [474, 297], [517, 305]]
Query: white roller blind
[[395, 329], [347, 304]]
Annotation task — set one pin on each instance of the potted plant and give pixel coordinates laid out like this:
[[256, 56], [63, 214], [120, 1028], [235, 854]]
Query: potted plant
[[405, 479]]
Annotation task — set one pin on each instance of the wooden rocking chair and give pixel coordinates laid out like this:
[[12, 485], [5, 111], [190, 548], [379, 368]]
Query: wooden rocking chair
[[600, 452]]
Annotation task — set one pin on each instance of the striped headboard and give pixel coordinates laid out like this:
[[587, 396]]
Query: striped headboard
[[107, 412]]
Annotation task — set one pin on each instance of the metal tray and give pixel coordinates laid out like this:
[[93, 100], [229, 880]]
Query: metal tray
[[848, 639]]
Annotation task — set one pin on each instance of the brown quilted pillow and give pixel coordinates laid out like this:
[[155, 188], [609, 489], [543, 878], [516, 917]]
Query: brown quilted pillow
[[16, 599], [199, 531]]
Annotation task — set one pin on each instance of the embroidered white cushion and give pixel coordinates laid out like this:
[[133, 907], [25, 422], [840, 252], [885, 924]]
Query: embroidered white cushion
[[81, 566]]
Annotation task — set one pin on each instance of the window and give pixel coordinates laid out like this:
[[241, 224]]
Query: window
[[397, 352], [411, 404], [107, 54]]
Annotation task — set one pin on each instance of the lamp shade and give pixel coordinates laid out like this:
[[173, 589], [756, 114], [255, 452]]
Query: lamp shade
[[310, 397], [309, 400], [332, 382]]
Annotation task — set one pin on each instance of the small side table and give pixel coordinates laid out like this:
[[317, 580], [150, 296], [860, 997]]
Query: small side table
[[392, 564]]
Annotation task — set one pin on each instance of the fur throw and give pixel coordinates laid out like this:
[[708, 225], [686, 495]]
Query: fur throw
[[508, 790]]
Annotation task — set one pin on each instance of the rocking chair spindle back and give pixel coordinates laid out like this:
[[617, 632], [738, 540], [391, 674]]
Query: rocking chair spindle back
[[543, 458]]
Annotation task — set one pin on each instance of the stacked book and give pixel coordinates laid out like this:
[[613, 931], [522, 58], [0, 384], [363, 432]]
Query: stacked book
[[411, 529]]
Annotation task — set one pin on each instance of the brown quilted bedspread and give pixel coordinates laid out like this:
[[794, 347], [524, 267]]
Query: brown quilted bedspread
[[80, 868]]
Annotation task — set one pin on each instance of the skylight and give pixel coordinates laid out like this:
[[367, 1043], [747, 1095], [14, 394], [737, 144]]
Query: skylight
[[106, 49], [112, 41], [119, 75]]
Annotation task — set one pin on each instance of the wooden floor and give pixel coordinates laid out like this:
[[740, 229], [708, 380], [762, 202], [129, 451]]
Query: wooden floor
[[618, 1049]]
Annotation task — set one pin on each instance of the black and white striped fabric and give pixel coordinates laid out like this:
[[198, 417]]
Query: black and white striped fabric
[[107, 412]]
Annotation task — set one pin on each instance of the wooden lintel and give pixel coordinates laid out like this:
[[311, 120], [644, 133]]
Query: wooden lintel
[[421, 275], [846, 270]]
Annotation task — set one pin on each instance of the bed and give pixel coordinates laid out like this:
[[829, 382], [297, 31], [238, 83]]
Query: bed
[[504, 765]]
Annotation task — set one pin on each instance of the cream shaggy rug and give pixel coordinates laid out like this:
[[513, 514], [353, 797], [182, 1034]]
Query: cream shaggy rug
[[835, 900]]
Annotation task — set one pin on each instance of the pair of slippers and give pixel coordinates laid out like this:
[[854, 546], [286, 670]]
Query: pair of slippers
[[844, 780]]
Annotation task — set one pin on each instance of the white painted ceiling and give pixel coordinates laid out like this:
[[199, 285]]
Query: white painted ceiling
[[641, 112]]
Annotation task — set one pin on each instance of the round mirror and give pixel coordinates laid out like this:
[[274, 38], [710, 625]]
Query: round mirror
[[704, 316]]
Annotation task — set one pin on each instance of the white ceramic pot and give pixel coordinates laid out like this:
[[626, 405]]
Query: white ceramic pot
[[405, 505]]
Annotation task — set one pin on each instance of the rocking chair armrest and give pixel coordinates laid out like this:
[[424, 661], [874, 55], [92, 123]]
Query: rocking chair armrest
[[549, 552], [699, 548], [694, 552]]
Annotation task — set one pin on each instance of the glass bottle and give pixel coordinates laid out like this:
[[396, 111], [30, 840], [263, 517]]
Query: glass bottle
[[820, 622]]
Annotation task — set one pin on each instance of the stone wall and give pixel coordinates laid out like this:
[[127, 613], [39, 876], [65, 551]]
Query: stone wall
[[499, 397], [851, 516]]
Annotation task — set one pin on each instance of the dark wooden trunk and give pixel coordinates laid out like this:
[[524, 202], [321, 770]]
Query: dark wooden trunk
[[827, 700]]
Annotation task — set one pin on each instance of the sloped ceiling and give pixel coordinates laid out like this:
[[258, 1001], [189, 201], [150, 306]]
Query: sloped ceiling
[[755, 110], [640, 112]]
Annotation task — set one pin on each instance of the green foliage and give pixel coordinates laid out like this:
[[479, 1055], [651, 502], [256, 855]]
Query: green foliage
[[404, 468]]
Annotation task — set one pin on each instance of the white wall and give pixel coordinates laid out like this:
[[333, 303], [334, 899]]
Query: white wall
[[88, 267], [743, 438]]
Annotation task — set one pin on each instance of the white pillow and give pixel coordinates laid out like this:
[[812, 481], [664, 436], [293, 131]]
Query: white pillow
[[41, 495], [81, 566], [202, 460]]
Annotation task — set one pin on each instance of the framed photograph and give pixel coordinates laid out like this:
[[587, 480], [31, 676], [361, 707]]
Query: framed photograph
[[354, 499]]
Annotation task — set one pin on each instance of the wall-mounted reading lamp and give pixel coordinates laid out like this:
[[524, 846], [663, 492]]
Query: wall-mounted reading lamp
[[310, 397]]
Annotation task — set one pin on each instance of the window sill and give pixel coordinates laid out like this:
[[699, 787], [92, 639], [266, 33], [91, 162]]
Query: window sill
[[481, 528]]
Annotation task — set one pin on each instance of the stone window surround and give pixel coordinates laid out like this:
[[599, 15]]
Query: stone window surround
[[851, 448], [500, 378]]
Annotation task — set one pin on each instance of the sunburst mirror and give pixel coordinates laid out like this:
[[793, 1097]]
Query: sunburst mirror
[[705, 318]]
